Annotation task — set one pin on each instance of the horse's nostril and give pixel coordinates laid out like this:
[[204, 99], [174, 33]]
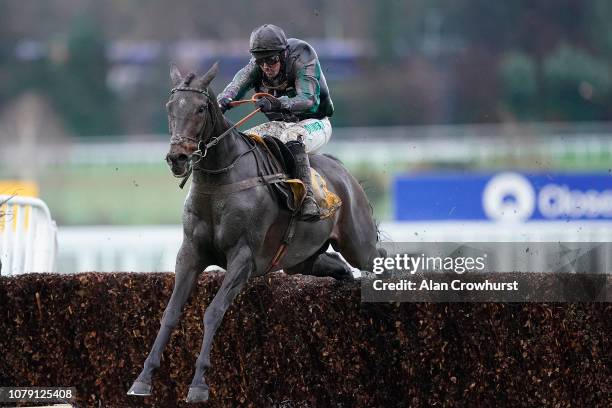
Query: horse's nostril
[[173, 158]]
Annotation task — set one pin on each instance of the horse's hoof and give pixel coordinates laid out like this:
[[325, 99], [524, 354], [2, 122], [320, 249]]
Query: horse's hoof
[[140, 389], [197, 394]]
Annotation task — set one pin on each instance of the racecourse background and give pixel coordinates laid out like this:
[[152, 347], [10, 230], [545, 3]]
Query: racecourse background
[[118, 208], [119, 181], [154, 248]]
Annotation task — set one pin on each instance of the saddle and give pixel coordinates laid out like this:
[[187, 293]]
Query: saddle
[[291, 192]]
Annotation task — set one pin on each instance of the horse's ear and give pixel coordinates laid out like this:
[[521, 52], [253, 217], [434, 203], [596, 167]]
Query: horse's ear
[[175, 75], [207, 78]]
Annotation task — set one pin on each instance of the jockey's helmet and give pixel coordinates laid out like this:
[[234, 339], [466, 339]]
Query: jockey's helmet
[[267, 40]]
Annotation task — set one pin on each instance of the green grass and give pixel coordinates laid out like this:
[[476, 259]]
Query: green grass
[[149, 194], [114, 194], [141, 194]]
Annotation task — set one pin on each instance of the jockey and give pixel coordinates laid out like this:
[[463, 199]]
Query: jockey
[[298, 111]]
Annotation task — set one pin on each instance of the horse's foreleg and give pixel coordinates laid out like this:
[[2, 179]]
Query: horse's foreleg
[[187, 269], [238, 271]]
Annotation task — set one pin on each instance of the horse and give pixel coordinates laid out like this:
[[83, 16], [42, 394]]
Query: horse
[[233, 221]]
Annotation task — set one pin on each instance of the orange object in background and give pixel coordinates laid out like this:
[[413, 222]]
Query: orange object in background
[[19, 188]]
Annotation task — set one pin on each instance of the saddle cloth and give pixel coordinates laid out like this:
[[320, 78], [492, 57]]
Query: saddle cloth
[[327, 200]]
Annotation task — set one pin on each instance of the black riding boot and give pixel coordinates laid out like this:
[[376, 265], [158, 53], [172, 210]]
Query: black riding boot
[[310, 209]]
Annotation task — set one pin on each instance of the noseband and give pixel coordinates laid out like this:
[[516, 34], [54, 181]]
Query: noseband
[[202, 150]]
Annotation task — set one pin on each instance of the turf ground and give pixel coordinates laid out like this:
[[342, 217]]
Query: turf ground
[[140, 194], [113, 194]]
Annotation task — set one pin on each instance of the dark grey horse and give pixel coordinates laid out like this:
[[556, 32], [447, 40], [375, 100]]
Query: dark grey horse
[[241, 230]]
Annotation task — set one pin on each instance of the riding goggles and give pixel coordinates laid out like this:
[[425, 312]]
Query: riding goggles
[[271, 60]]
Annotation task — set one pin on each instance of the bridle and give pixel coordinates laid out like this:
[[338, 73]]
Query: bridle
[[197, 141], [202, 149]]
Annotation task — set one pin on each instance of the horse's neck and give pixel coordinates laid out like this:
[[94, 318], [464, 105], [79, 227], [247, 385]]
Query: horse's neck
[[222, 155]]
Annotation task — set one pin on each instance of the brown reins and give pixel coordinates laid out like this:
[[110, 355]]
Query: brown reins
[[201, 152], [217, 139]]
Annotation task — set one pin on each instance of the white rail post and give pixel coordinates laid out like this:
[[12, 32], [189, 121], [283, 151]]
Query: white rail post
[[28, 236]]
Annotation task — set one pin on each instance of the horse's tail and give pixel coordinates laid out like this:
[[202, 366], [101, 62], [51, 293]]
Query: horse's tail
[[334, 158], [379, 232], [382, 252]]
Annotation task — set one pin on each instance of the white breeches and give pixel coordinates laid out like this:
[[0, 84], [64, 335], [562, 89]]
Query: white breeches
[[314, 133]]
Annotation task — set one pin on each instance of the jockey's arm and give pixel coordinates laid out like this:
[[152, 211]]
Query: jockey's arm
[[242, 82], [307, 90]]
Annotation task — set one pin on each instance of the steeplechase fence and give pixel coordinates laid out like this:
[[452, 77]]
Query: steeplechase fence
[[301, 341]]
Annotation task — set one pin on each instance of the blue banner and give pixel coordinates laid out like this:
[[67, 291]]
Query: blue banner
[[508, 196]]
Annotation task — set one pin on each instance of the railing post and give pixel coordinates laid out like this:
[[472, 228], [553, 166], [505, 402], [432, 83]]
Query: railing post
[[28, 236]]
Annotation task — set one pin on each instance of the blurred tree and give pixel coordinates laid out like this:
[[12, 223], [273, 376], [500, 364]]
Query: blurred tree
[[5, 46], [386, 29], [79, 87], [482, 23], [517, 72], [578, 85], [599, 28], [476, 85], [534, 26], [452, 60], [71, 75]]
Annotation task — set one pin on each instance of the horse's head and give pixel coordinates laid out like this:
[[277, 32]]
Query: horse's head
[[192, 110]]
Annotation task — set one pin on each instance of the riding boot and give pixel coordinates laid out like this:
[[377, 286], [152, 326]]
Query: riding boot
[[310, 209]]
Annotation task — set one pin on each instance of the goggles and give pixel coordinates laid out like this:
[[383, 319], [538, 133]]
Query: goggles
[[271, 60]]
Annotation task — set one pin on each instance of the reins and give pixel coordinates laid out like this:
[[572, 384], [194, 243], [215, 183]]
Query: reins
[[201, 152]]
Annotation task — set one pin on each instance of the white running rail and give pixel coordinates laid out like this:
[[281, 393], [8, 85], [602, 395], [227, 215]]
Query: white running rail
[[28, 236], [154, 248]]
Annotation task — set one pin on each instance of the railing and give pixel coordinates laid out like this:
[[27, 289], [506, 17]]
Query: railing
[[28, 236], [118, 248], [154, 248]]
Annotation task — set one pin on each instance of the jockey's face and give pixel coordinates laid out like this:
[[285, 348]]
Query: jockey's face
[[270, 66]]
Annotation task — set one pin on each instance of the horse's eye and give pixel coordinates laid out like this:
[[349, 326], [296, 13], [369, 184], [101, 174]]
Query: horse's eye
[[201, 108]]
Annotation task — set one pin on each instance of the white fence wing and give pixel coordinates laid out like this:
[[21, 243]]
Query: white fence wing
[[28, 236]]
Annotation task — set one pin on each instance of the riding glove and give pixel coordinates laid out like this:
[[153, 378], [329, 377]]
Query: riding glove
[[224, 103], [268, 104]]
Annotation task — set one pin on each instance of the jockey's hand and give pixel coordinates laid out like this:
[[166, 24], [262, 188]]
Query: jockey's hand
[[224, 103], [268, 104]]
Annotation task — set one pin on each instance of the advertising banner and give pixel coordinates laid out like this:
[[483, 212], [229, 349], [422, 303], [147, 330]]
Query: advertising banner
[[506, 196]]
